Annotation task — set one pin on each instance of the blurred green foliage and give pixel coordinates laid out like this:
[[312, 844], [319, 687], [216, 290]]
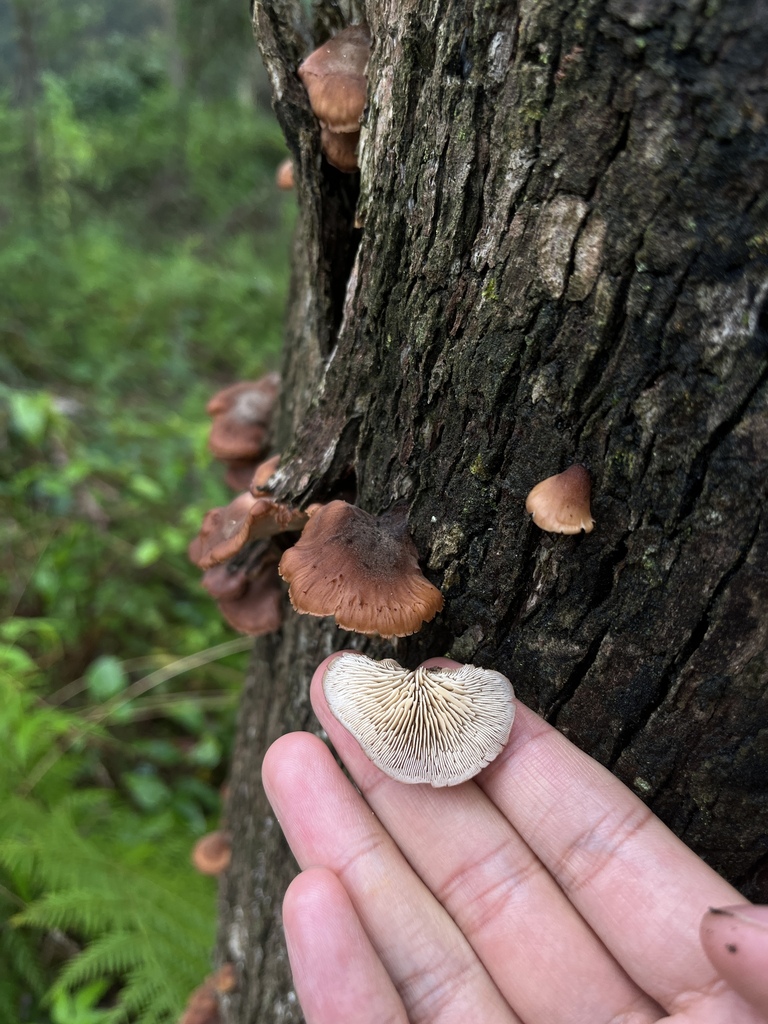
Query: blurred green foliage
[[143, 266]]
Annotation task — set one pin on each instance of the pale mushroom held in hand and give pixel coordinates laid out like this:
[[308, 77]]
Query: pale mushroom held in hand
[[560, 504], [362, 569], [435, 725]]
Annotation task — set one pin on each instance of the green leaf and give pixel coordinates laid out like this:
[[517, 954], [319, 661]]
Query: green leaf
[[105, 677], [147, 551], [146, 487], [30, 411], [15, 661], [149, 792]]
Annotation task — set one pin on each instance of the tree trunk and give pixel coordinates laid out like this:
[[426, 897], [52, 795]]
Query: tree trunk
[[562, 259]]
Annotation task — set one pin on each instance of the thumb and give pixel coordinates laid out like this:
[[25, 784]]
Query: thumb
[[736, 941]]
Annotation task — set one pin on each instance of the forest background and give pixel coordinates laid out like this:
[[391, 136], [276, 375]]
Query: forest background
[[144, 264]]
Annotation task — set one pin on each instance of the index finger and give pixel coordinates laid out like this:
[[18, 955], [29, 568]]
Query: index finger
[[639, 887]]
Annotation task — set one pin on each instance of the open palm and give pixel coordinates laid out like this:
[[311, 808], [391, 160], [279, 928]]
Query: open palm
[[543, 892]]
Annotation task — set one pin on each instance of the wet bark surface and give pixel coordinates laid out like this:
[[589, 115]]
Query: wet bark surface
[[563, 258]]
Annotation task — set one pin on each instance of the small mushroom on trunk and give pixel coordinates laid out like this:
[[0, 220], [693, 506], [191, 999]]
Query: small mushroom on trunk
[[335, 80], [212, 853], [203, 1005], [261, 476], [258, 609], [284, 176], [340, 149], [435, 725], [362, 569], [334, 77], [560, 504], [241, 415]]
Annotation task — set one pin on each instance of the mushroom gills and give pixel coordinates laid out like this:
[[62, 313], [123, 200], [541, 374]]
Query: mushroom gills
[[435, 725]]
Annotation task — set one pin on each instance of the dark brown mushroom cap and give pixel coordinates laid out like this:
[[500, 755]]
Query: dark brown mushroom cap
[[560, 504], [334, 77], [435, 725], [241, 415], [224, 584], [239, 473], [361, 569], [212, 853], [259, 608], [225, 530], [340, 149]]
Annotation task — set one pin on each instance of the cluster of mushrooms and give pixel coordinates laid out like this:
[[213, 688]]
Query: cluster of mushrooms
[[203, 1005], [435, 725]]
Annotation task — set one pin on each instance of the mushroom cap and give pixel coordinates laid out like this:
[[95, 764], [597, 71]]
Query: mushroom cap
[[435, 725], [212, 853], [261, 475], [340, 149], [241, 415], [225, 978], [284, 175], [239, 473], [259, 608], [222, 582], [560, 504], [226, 530], [202, 1006], [334, 77], [361, 569]]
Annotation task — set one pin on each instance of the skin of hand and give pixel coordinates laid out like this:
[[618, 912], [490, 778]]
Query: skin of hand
[[542, 891]]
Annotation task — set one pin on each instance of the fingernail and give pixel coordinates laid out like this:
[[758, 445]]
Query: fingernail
[[748, 913]]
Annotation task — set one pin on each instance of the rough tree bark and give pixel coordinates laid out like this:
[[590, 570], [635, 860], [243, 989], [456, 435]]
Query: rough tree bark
[[563, 259]]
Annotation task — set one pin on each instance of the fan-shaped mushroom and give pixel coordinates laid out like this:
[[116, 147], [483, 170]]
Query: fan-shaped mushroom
[[560, 504], [361, 569], [261, 475], [241, 415], [225, 530], [334, 77], [340, 149], [258, 609], [435, 725]]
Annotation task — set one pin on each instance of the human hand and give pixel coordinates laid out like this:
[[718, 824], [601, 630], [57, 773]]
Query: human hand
[[541, 891]]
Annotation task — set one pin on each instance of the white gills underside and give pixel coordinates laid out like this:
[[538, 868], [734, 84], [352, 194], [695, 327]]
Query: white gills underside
[[435, 725]]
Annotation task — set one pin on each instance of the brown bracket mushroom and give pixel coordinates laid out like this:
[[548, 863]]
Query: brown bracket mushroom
[[212, 853], [203, 1005], [435, 725], [258, 609], [226, 530], [284, 175], [241, 416], [560, 504], [334, 77], [362, 569]]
